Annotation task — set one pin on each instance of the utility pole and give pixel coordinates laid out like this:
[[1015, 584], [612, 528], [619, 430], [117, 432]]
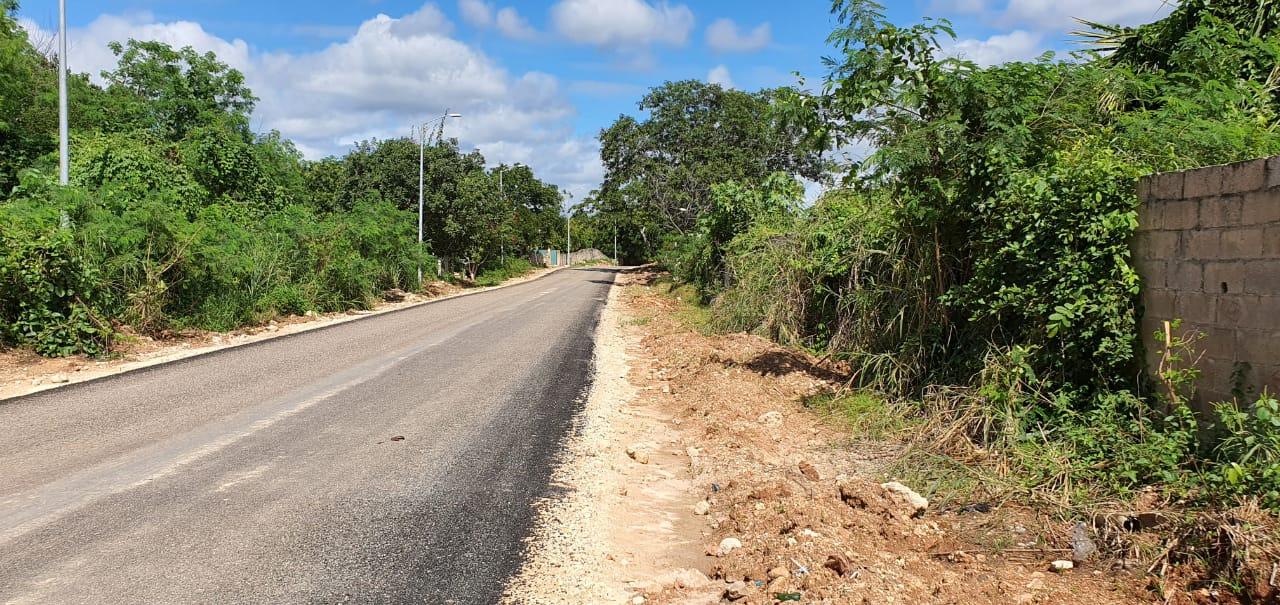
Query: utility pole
[[64, 169]]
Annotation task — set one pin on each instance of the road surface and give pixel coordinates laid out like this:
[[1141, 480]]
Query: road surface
[[392, 459]]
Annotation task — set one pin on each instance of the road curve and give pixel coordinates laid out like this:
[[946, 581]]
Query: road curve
[[392, 459]]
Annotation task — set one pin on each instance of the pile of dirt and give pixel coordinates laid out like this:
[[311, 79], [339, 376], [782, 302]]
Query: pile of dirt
[[793, 509]]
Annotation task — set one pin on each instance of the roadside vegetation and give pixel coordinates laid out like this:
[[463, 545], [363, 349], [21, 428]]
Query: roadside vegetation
[[179, 216], [972, 275]]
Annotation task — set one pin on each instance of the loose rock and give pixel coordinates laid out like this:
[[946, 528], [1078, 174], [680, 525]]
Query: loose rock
[[1061, 565], [701, 508], [737, 591], [728, 545], [918, 503], [638, 454]]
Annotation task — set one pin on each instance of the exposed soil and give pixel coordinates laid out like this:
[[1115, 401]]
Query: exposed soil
[[23, 372], [706, 444]]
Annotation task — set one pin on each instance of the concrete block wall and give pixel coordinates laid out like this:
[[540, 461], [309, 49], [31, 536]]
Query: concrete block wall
[[1208, 251]]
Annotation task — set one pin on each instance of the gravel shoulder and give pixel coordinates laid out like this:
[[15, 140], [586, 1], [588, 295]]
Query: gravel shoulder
[[23, 372], [695, 474]]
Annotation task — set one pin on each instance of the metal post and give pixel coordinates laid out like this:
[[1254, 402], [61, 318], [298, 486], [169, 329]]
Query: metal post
[[568, 237], [422, 153], [615, 246], [502, 194], [63, 157]]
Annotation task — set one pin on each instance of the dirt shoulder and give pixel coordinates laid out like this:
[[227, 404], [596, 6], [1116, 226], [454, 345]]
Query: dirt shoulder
[[698, 476], [23, 372]]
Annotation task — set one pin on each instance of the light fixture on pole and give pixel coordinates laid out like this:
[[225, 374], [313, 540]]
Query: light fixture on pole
[[422, 155], [63, 156]]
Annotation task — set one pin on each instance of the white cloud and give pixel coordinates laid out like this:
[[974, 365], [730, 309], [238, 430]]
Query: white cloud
[[391, 73], [1059, 14], [622, 23], [87, 50], [476, 12], [507, 20], [426, 20], [512, 25], [1016, 45], [723, 36], [720, 75]]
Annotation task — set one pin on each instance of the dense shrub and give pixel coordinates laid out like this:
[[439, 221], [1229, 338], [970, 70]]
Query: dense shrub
[[77, 262], [982, 250], [500, 272]]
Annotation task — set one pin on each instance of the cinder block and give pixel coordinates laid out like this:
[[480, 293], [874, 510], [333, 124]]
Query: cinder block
[[1179, 214], [1158, 304], [1196, 308], [1215, 379], [1186, 277], [1204, 182], [1203, 245], [1242, 242], [1244, 176], [1222, 211], [1261, 207], [1149, 215], [1169, 185], [1231, 308], [1139, 246], [1273, 172], [1154, 273], [1269, 376], [1262, 277], [1260, 312], [1261, 347], [1225, 277], [1160, 244], [1219, 343], [1271, 242], [1146, 188]]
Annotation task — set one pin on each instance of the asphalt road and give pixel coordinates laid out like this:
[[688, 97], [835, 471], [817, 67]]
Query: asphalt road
[[273, 473]]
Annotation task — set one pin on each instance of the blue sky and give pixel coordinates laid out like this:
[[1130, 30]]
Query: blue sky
[[534, 80]]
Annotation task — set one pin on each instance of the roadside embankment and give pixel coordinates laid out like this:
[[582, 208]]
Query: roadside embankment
[[698, 475]]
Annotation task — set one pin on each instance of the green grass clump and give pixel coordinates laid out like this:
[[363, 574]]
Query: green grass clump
[[866, 415]]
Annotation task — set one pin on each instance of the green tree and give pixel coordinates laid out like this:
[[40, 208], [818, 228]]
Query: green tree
[[694, 136], [170, 92]]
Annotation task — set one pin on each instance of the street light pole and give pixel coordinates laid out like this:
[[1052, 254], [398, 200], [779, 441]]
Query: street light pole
[[422, 155], [63, 156]]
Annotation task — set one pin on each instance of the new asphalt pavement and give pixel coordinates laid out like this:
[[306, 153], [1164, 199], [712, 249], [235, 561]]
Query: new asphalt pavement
[[393, 459]]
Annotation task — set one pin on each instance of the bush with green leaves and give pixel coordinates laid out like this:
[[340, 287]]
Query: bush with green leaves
[[500, 272]]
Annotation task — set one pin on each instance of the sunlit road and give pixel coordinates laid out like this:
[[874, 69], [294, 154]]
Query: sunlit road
[[390, 459]]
